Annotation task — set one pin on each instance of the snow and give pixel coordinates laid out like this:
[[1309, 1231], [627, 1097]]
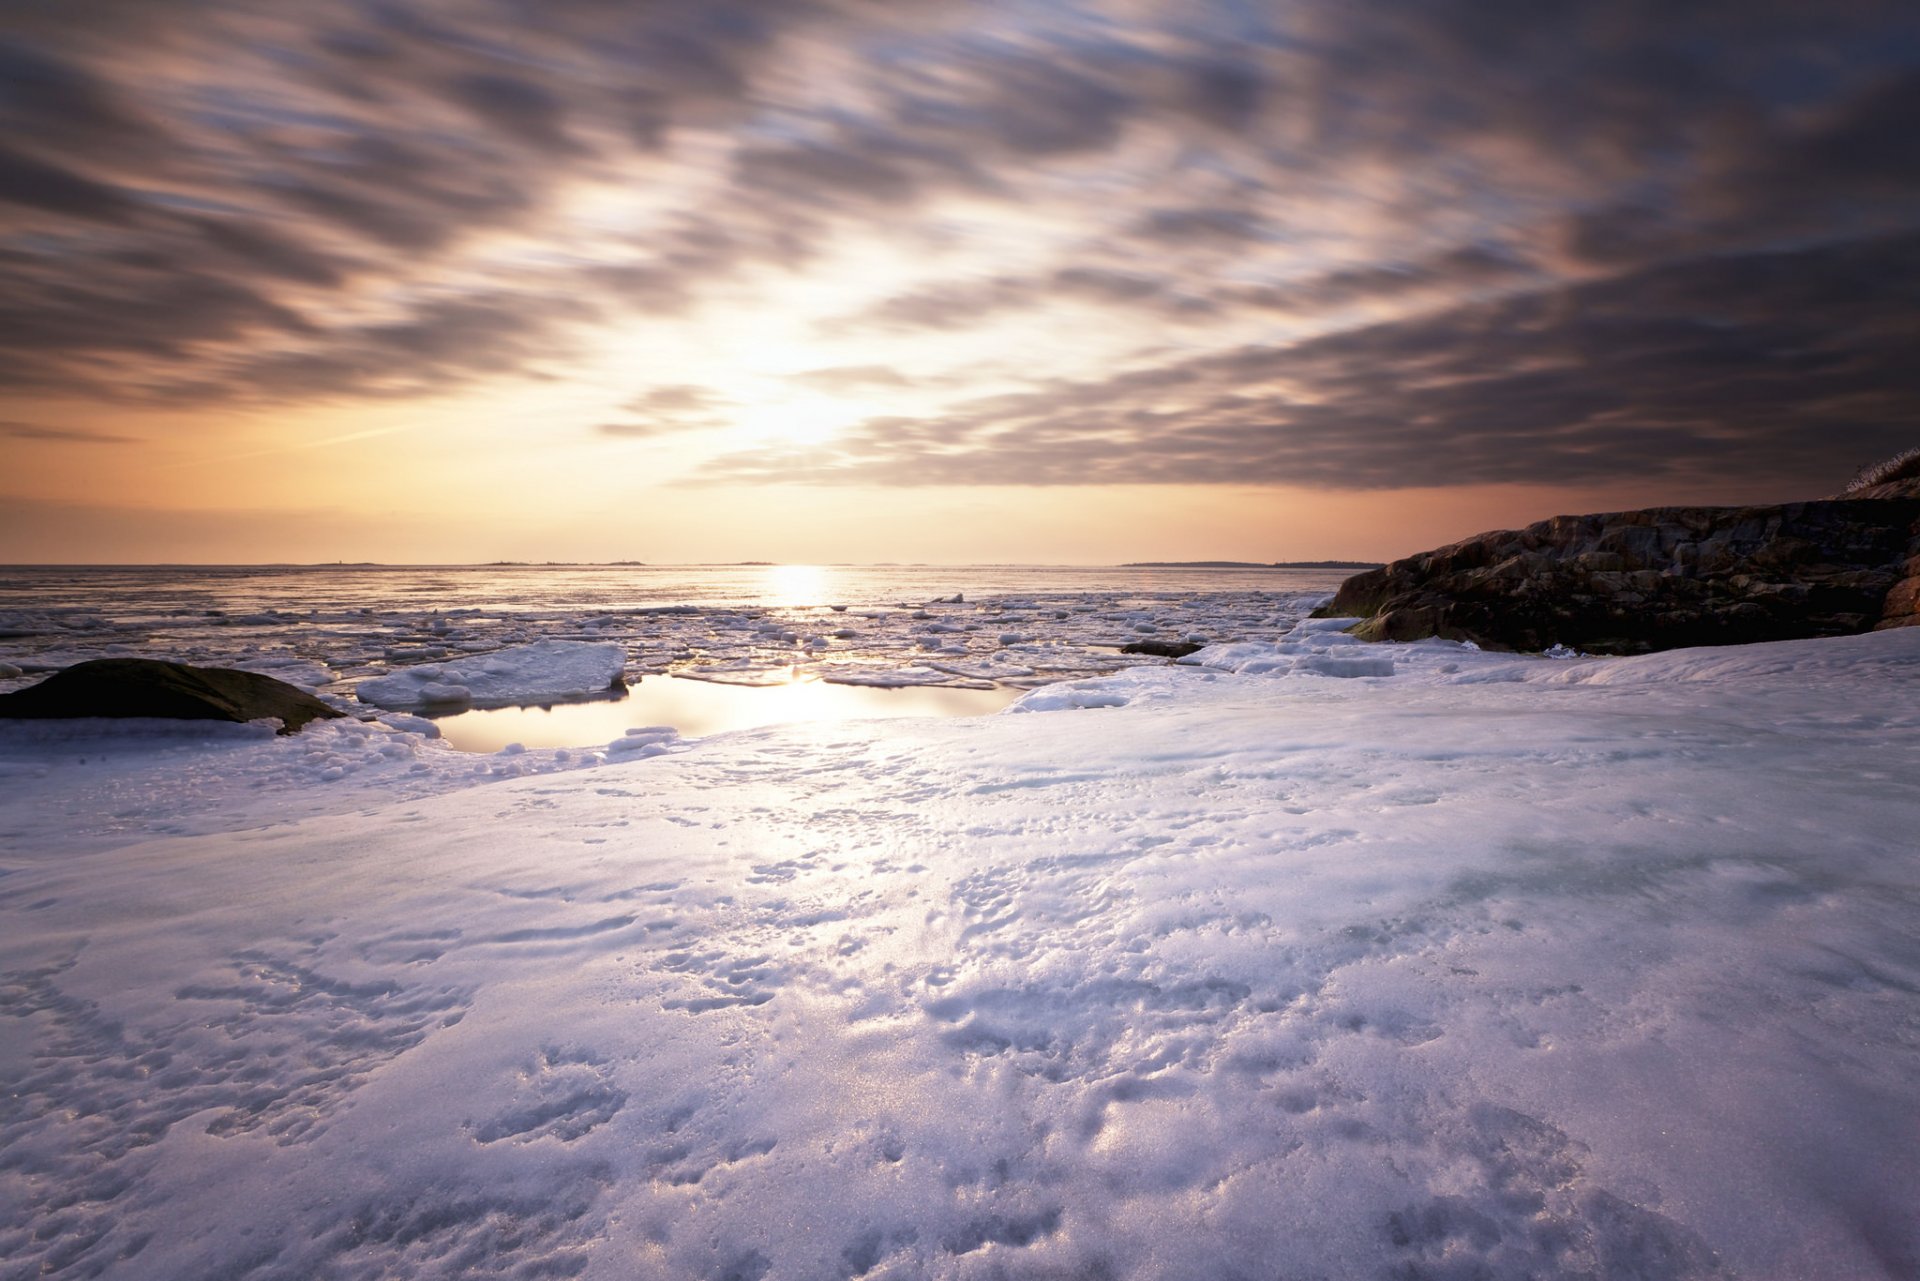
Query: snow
[[1488, 967], [541, 672]]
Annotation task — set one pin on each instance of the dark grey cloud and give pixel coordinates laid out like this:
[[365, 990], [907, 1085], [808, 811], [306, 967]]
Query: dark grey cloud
[[1017, 102], [1201, 224], [963, 304], [1770, 367], [39, 185], [436, 343], [57, 107], [258, 247], [1461, 269], [521, 109], [823, 172], [137, 307]]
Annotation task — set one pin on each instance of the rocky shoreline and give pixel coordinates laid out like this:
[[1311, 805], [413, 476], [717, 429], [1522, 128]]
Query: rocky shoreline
[[1659, 578]]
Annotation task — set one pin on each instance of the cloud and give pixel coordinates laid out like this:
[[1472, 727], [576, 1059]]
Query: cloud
[[433, 344], [520, 109], [853, 378], [662, 411], [258, 247], [1021, 103], [1454, 272], [64, 435], [49, 188], [231, 200], [1237, 228], [963, 304], [678, 398], [1768, 368]]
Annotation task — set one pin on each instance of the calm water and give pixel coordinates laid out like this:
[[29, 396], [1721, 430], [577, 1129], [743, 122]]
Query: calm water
[[698, 708]]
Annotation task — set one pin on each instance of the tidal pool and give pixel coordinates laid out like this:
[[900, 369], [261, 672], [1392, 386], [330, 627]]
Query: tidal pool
[[697, 708]]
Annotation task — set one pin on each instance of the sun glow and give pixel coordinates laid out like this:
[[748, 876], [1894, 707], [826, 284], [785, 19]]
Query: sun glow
[[800, 417], [794, 586]]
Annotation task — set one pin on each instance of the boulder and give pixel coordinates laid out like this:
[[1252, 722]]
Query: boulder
[[1660, 578], [173, 691], [1161, 648]]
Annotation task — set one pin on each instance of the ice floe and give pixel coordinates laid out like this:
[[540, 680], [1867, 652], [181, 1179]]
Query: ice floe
[[543, 671]]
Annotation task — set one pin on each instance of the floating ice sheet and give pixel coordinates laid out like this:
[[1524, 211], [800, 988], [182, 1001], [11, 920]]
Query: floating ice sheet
[[540, 672]]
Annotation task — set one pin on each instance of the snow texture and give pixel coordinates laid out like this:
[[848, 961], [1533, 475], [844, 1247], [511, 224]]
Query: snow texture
[[545, 671], [1489, 967]]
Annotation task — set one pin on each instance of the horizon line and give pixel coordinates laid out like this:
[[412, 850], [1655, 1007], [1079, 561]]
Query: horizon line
[[1327, 562]]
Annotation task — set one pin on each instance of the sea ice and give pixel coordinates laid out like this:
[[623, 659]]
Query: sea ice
[[543, 671]]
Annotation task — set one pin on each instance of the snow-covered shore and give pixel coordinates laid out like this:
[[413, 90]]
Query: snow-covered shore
[[1488, 967]]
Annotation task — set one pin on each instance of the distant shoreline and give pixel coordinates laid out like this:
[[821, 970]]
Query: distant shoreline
[[258, 566], [1253, 564]]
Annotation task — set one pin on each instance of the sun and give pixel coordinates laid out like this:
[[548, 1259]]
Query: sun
[[799, 418]]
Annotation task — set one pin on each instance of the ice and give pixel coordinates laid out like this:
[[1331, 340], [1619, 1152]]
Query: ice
[[328, 638], [878, 677], [647, 740], [1492, 967], [543, 671], [1110, 691]]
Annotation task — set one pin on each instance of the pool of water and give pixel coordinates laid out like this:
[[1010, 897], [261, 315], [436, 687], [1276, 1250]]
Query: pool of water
[[698, 708]]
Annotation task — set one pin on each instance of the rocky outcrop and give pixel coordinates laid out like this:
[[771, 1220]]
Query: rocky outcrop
[[1661, 578], [173, 691]]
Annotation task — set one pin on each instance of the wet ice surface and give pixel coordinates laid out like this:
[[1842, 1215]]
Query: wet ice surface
[[1490, 967]]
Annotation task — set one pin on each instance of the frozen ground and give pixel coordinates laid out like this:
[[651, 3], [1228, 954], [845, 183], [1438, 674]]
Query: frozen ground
[[1289, 967]]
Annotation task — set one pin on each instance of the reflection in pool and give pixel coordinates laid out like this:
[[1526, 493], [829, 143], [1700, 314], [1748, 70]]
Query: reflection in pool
[[697, 708]]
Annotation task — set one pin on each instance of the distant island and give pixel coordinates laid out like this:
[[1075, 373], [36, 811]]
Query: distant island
[[1253, 564]]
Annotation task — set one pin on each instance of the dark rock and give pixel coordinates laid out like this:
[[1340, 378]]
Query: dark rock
[[1661, 578], [121, 687], [1160, 648]]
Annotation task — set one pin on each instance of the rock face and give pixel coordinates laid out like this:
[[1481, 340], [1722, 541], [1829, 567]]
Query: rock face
[[173, 691], [1662, 578]]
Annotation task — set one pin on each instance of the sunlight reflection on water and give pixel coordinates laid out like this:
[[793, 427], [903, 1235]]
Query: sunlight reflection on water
[[795, 586], [698, 708]]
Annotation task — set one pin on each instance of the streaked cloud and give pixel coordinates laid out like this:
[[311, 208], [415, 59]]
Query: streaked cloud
[[62, 435], [1541, 242], [661, 411], [1744, 366]]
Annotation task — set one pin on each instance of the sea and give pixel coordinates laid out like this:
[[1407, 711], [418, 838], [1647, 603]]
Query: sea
[[708, 648], [244, 589]]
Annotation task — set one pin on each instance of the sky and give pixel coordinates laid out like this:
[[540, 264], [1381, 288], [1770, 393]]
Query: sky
[[861, 280]]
